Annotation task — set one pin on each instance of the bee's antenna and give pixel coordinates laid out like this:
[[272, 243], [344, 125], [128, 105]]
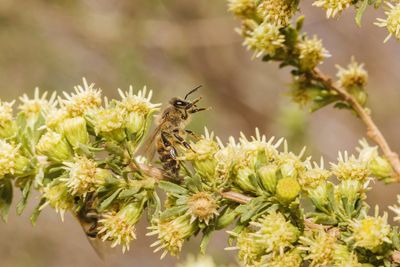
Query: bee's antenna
[[192, 91]]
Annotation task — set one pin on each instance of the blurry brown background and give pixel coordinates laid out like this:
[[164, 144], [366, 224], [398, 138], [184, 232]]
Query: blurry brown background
[[172, 46]]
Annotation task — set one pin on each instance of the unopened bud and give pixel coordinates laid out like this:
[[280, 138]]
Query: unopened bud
[[268, 177], [54, 146], [75, 131]]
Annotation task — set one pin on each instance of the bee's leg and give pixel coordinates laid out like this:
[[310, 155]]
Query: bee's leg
[[168, 144], [195, 110], [192, 134], [180, 140]]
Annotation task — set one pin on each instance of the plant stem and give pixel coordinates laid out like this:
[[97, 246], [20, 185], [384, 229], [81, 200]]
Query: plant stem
[[373, 131]]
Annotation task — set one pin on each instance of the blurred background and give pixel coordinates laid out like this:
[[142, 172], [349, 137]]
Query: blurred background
[[173, 46]]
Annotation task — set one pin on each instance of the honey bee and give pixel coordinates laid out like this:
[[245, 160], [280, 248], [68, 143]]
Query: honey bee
[[171, 132], [88, 218]]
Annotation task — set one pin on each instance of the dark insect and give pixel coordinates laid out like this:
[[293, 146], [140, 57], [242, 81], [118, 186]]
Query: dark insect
[[171, 132]]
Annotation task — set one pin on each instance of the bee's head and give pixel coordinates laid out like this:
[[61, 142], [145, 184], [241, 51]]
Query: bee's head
[[180, 103]]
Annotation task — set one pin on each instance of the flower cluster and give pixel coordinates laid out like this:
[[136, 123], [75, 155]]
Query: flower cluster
[[86, 162]]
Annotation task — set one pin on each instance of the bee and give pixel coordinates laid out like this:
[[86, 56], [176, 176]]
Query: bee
[[88, 217], [171, 132]]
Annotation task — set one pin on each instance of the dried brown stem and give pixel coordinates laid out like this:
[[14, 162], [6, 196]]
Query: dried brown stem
[[373, 131]]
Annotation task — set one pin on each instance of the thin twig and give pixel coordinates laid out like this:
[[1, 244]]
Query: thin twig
[[373, 131]]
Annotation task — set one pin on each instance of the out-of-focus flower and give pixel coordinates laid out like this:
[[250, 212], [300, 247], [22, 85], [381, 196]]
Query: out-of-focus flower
[[264, 39], [370, 232], [119, 227], [392, 21], [75, 131], [354, 75], [55, 120], [312, 53], [333, 7], [54, 146], [242, 8], [85, 98], [83, 176], [32, 107], [344, 258], [350, 168], [396, 209], [278, 11], [171, 234], [7, 124], [57, 196]]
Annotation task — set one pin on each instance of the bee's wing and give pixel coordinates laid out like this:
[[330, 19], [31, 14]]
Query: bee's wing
[[149, 149], [99, 247]]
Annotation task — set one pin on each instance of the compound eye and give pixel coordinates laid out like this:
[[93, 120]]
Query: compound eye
[[179, 103]]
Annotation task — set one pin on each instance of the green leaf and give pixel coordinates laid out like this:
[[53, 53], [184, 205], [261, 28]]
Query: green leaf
[[204, 241], [128, 192], [6, 195], [172, 188], [360, 12], [37, 211], [25, 195], [107, 202], [173, 212]]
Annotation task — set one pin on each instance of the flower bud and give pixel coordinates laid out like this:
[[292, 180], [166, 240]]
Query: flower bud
[[319, 196], [287, 189], [22, 165], [243, 179], [268, 177], [75, 131], [135, 122], [54, 146], [109, 122], [380, 167]]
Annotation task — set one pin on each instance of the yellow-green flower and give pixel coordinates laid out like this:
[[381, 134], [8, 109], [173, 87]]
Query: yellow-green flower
[[249, 252], [202, 206], [290, 258], [119, 227], [242, 8], [203, 155], [57, 196], [8, 154], [274, 233], [313, 176], [54, 146], [354, 75], [7, 124], [109, 122], [83, 176], [319, 247], [392, 21], [139, 102], [287, 189], [312, 53], [32, 107], [264, 39], [333, 7], [370, 232], [278, 11], [85, 98], [171, 234], [350, 168]]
